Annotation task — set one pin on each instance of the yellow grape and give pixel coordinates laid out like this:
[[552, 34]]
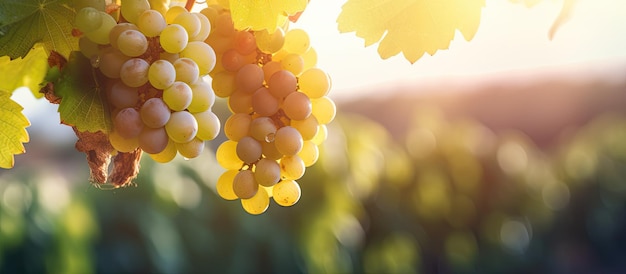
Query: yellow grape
[[286, 192], [292, 167], [168, 154], [309, 153], [258, 203], [226, 155], [224, 185], [191, 149], [323, 109], [244, 185], [297, 41], [314, 82]]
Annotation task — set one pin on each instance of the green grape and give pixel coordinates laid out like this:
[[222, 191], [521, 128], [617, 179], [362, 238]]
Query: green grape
[[309, 153], [297, 41], [132, 43], [153, 140], [292, 167], [191, 149], [161, 74], [182, 127], [111, 61], [134, 72], [224, 185], [286, 192], [131, 9], [237, 126], [244, 42], [270, 151], [127, 123], [122, 144], [244, 184], [122, 96], [240, 102], [248, 149], [293, 63], [267, 172], [101, 34], [97, 4], [321, 135], [262, 129], [88, 19], [288, 140], [174, 38], [323, 109], [208, 125], [151, 23], [310, 59], [226, 155], [168, 154], [282, 83], [177, 96], [117, 30], [270, 42], [314, 82], [223, 84], [173, 12], [205, 28], [249, 78], [307, 127], [190, 22], [263, 103], [201, 53], [186, 70], [202, 98], [258, 203], [154, 113], [297, 106]]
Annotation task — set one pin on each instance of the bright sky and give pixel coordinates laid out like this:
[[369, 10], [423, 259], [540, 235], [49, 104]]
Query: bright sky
[[510, 36]]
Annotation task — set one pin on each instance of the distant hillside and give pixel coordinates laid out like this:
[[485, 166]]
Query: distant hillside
[[541, 103]]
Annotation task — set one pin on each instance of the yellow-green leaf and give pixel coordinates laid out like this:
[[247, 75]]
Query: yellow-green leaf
[[413, 27], [26, 22], [259, 15], [24, 72], [12, 130], [83, 102]]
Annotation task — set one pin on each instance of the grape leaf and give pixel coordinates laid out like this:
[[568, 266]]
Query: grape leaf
[[82, 96], [413, 27], [12, 130], [259, 15], [26, 22], [24, 72]]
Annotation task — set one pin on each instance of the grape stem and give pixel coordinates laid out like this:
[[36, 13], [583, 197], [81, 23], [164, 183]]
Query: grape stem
[[189, 4]]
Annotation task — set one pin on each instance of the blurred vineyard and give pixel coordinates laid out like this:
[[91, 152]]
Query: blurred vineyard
[[404, 184]]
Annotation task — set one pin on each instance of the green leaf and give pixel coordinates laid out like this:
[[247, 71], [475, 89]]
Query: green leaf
[[26, 22], [83, 101], [12, 130], [413, 27], [24, 72]]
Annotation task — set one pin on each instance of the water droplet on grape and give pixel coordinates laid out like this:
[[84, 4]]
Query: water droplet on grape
[[95, 61], [269, 138]]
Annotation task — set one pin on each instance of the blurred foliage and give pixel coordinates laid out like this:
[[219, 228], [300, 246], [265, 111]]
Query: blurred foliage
[[444, 197]]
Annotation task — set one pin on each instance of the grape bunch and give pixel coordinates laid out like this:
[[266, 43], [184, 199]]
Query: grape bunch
[[155, 62], [279, 105]]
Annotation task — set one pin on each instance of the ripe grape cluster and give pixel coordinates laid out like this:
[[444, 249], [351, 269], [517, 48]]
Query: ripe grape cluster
[[279, 105], [155, 64]]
